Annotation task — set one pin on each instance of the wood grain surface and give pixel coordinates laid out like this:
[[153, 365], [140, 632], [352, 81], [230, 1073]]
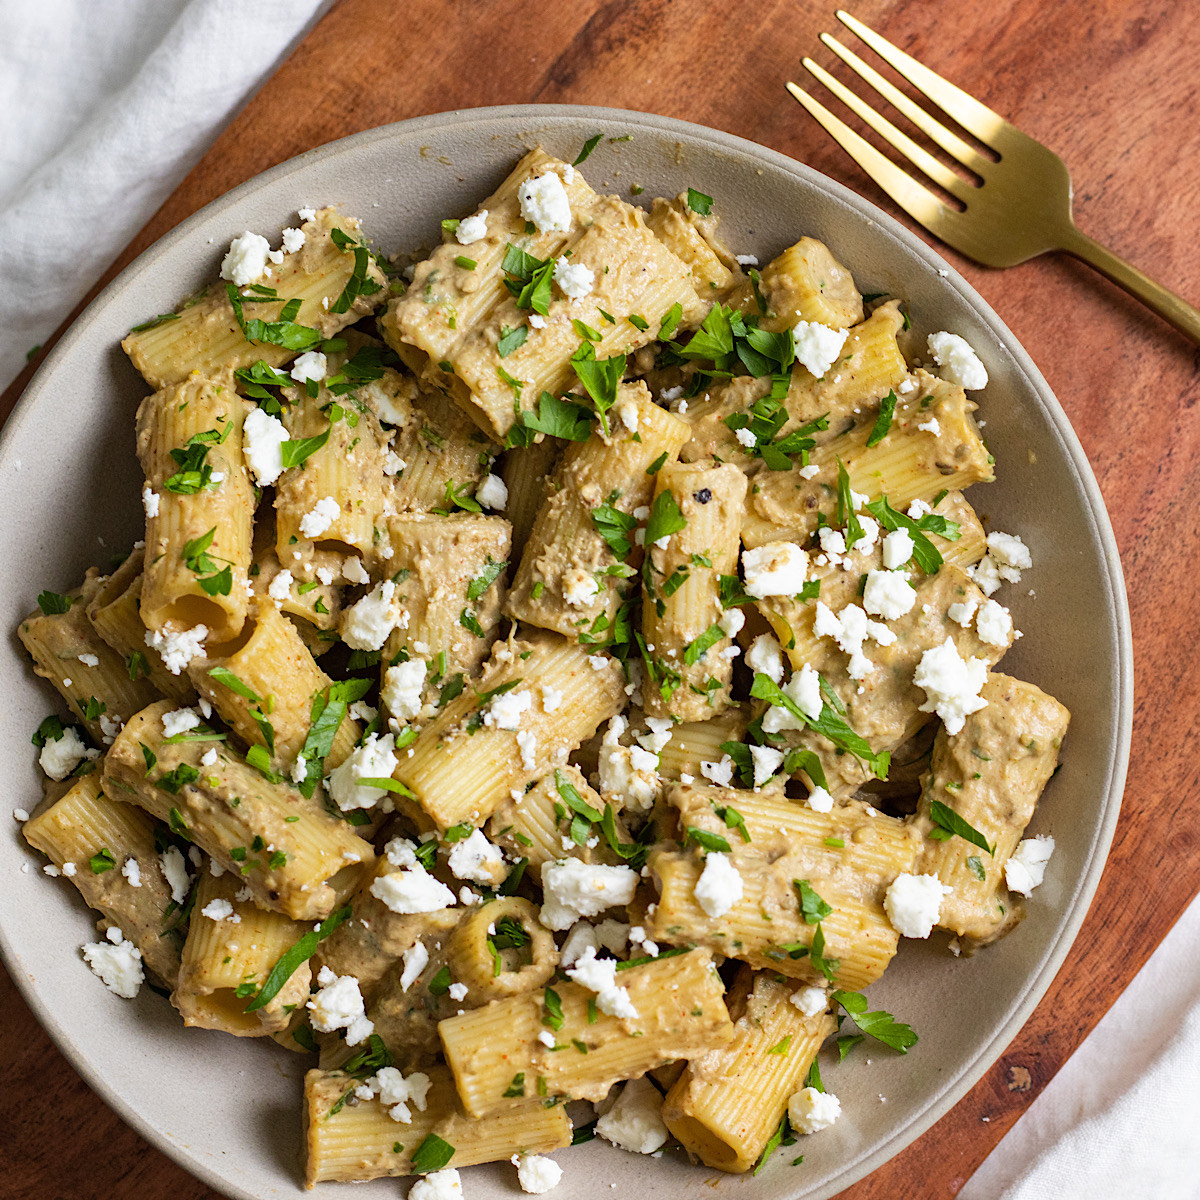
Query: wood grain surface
[[1111, 86]]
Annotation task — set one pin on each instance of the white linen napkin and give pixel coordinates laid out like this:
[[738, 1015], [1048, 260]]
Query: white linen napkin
[[108, 104]]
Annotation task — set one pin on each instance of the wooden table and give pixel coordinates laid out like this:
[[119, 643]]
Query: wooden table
[[1111, 87]]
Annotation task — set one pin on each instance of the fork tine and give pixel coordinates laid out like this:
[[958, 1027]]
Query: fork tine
[[916, 200], [917, 155], [985, 124], [948, 140]]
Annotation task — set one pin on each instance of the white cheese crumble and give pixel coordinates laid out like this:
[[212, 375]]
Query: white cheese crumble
[[720, 773], [574, 889], [412, 890], [60, 756], [527, 744], [913, 903], [396, 1093], [810, 1000], [118, 962], [413, 961], [574, 279], [599, 975], [262, 438], [175, 871], [720, 885], [964, 611], [536, 321], [627, 771], [374, 759], [177, 646], [745, 437], [339, 1005], [635, 1121], [320, 517], [132, 870], [810, 1111], [627, 410], [849, 629], [293, 240], [952, 684], [579, 587], [552, 698], [1026, 869], [280, 588], [819, 800], [933, 425], [731, 622], [506, 711], [544, 201], [477, 860], [472, 229], [492, 493], [765, 657], [445, 1184], [353, 571], [367, 623], [898, 548], [804, 688], [458, 991], [536, 1173], [109, 728], [150, 501], [776, 569], [767, 760], [218, 910], [817, 345], [179, 720], [312, 364], [959, 362], [246, 259], [402, 688], [993, 624], [888, 594]]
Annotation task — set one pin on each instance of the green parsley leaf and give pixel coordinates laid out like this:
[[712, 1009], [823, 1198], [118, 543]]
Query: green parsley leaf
[[696, 649], [881, 1026], [53, 603], [614, 526], [484, 580], [706, 840], [552, 1010], [883, 422], [588, 147], [102, 861], [845, 509], [812, 906], [665, 518], [669, 321], [600, 378], [511, 339], [297, 452], [926, 554], [946, 818], [698, 202], [431, 1155]]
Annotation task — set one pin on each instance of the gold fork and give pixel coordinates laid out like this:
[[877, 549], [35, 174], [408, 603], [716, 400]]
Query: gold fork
[[1022, 204]]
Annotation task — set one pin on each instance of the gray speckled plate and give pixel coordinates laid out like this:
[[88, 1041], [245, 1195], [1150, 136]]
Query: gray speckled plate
[[229, 1109]]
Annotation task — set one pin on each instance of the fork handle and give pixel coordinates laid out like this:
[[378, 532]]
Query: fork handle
[[1172, 308]]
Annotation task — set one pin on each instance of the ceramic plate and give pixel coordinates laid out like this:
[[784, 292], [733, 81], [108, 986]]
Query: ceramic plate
[[229, 1109]]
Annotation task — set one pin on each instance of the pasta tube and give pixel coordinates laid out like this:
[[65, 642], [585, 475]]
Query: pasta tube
[[692, 239], [495, 1053], [200, 506], [804, 283]]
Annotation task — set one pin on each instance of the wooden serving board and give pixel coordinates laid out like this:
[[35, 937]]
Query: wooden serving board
[[1110, 85]]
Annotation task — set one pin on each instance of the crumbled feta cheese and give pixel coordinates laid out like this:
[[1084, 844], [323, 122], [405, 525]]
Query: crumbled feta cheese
[[574, 279], [400, 852], [150, 501], [177, 646], [374, 759], [745, 437], [1026, 869], [659, 734], [412, 890], [60, 756], [280, 588], [952, 684], [396, 1093], [833, 542], [897, 549], [819, 800], [1010, 554], [402, 688], [994, 624], [179, 720], [599, 975], [810, 1000], [262, 438], [246, 259], [552, 698], [132, 870], [393, 464], [732, 621], [544, 201], [362, 711], [804, 688], [849, 630], [627, 771], [810, 1110], [457, 991], [477, 860], [888, 594], [339, 1005], [767, 761], [414, 960], [118, 962], [506, 711], [536, 1173], [367, 623], [312, 364], [492, 493], [574, 889], [776, 569], [635, 1121], [579, 587], [959, 362], [817, 345], [720, 885], [527, 744], [293, 240], [765, 657], [472, 229], [536, 321], [68, 869], [627, 411], [320, 517], [986, 574], [962, 612], [440, 1185], [353, 571], [580, 940], [933, 425], [217, 910], [299, 771], [913, 902], [720, 773], [870, 534], [175, 871], [89, 660]]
